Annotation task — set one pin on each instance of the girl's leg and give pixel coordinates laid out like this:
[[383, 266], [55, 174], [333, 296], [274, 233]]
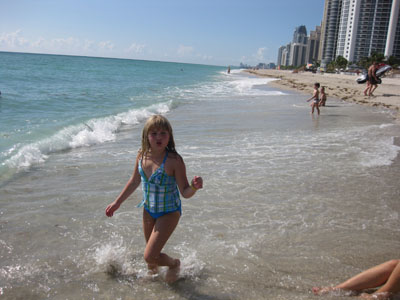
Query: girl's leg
[[392, 284], [148, 224], [370, 278], [163, 228]]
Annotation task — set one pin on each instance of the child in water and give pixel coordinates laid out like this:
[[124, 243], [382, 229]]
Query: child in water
[[323, 97], [315, 96], [161, 171]]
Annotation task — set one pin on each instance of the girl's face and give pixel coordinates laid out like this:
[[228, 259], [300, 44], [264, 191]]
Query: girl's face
[[158, 138]]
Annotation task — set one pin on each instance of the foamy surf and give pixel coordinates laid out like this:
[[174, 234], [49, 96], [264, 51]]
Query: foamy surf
[[117, 259], [92, 132], [286, 196], [238, 83]]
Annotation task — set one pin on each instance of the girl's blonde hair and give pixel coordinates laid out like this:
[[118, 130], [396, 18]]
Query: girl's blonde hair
[[156, 122]]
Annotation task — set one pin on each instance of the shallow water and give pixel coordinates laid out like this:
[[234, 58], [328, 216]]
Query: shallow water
[[289, 201]]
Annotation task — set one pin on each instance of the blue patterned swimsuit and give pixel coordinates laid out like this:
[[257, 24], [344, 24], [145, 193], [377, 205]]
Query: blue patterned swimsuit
[[160, 192]]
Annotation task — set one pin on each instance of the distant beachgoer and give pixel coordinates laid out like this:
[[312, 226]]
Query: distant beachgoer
[[323, 97], [386, 276], [372, 82], [229, 69], [162, 171], [315, 97]]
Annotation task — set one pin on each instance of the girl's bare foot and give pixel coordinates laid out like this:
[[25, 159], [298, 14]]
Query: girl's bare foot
[[333, 290], [378, 296], [173, 272], [319, 291], [152, 270]]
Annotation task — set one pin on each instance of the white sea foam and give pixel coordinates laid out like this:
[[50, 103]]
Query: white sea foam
[[248, 86], [364, 146], [235, 84], [380, 153], [113, 258], [95, 131]]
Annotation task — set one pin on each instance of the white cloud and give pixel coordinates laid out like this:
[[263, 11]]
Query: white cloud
[[65, 44], [106, 45], [207, 57], [88, 45], [136, 48], [260, 54], [13, 40], [39, 43], [185, 50]]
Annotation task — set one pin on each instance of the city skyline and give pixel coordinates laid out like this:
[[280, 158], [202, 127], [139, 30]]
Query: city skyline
[[352, 29], [355, 29]]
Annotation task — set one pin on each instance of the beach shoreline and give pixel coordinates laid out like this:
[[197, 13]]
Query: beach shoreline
[[290, 199], [340, 86]]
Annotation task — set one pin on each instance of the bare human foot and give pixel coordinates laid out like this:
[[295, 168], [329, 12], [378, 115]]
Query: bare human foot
[[377, 296], [333, 290], [173, 272], [152, 270], [319, 291]]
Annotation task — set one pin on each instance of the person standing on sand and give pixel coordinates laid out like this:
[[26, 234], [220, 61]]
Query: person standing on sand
[[315, 97], [162, 171], [386, 276], [323, 97], [372, 82]]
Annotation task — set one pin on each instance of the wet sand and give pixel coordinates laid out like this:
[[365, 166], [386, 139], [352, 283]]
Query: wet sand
[[339, 86]]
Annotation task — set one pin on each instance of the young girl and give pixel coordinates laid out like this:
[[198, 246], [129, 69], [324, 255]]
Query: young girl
[[162, 171], [323, 97], [315, 96]]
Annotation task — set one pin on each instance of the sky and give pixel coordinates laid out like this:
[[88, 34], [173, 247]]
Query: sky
[[211, 32]]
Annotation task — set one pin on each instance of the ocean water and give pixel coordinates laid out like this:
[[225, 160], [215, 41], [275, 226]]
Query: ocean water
[[290, 200]]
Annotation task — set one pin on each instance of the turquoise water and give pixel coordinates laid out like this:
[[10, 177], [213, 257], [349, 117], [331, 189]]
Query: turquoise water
[[52, 103], [290, 201]]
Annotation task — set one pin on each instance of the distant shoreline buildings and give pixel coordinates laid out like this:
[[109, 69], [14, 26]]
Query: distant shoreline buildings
[[353, 29]]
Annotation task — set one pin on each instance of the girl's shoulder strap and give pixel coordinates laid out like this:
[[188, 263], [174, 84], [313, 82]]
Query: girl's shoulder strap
[[139, 157], [165, 157]]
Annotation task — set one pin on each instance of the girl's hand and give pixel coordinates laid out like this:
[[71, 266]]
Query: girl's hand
[[197, 182], [111, 209]]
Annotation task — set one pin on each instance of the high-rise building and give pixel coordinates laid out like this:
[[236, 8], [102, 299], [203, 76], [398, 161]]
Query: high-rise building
[[357, 28], [298, 47], [346, 41], [279, 61], [393, 37], [329, 30], [303, 49], [300, 35], [313, 43], [283, 55]]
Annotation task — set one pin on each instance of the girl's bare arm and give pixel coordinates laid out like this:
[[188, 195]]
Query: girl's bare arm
[[187, 190], [129, 188]]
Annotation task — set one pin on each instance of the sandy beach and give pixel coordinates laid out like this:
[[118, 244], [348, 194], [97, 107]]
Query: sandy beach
[[290, 200], [339, 86]]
